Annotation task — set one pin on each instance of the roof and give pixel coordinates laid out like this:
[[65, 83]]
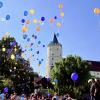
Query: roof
[[95, 65], [54, 42]]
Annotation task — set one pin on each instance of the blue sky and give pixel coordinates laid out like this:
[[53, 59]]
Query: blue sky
[[79, 33]]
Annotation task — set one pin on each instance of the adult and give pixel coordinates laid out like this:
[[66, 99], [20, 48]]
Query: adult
[[92, 89], [97, 90]]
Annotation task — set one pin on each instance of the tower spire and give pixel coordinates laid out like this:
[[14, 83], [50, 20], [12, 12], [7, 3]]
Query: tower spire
[[55, 40]]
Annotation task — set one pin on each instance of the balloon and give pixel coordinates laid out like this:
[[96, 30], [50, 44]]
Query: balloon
[[25, 13], [96, 10], [56, 81], [12, 56], [60, 6], [38, 28], [28, 39], [1, 4], [39, 62], [35, 21], [32, 11], [52, 20], [43, 45], [24, 29], [62, 14], [27, 21], [3, 49], [23, 20], [37, 52], [35, 37], [7, 17], [5, 90], [49, 94], [74, 76], [31, 44], [59, 24], [55, 17], [42, 18], [39, 42], [24, 36]]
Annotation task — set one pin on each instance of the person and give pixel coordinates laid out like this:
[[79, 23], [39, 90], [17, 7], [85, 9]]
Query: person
[[55, 97], [97, 89], [92, 89]]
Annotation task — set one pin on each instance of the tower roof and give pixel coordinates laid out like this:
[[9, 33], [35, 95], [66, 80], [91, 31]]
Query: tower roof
[[54, 42]]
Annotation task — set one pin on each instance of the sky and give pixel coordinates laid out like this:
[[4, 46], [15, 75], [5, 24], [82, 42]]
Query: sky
[[78, 29]]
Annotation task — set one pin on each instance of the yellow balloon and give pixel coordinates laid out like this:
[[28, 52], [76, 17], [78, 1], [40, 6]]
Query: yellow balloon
[[24, 29], [32, 11], [97, 11], [62, 14], [12, 56], [60, 6], [59, 24], [3, 49], [35, 21]]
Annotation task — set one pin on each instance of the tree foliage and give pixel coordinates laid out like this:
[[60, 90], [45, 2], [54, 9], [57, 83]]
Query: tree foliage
[[62, 72], [14, 67]]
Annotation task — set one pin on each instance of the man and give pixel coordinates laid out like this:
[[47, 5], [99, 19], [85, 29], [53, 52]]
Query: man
[[92, 89], [97, 89]]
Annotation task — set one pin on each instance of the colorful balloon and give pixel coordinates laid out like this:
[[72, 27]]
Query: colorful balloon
[[52, 20], [5, 90], [74, 76], [55, 17], [42, 18], [25, 13], [97, 11], [32, 11], [23, 20], [60, 6], [1, 4], [27, 21], [59, 24], [24, 29], [62, 14], [38, 28], [35, 21], [7, 17]]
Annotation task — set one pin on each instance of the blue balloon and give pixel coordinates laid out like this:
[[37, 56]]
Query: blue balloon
[[7, 17], [23, 20], [55, 17], [25, 13], [74, 76], [24, 36], [42, 18], [1, 4], [39, 42], [56, 81], [5, 90]]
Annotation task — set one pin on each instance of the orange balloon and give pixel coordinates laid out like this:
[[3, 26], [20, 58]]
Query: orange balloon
[[52, 20], [24, 29], [96, 10], [27, 21], [38, 28]]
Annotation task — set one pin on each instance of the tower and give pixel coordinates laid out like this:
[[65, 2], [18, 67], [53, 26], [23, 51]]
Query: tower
[[54, 54]]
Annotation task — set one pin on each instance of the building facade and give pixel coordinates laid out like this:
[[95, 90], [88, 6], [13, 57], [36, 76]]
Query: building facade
[[54, 54]]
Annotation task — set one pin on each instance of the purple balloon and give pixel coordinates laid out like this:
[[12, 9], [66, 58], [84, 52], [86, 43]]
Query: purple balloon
[[74, 76], [5, 90]]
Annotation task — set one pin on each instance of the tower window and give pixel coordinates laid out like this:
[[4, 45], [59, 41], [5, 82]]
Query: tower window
[[52, 58]]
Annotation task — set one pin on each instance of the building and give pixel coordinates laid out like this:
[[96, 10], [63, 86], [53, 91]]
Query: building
[[95, 68], [54, 54]]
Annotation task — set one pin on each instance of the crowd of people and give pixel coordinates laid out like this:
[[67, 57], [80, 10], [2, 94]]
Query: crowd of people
[[94, 94], [33, 96]]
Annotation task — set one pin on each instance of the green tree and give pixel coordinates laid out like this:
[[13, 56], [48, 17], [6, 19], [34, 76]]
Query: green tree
[[14, 67], [62, 72]]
